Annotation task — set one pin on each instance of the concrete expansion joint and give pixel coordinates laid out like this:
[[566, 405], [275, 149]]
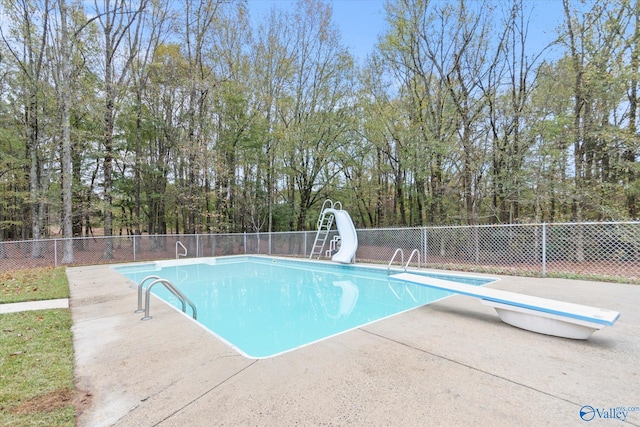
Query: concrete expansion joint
[[457, 362], [177, 411]]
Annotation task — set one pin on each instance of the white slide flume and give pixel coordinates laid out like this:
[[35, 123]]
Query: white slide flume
[[348, 236]]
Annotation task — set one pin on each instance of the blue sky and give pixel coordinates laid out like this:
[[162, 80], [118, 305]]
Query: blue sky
[[361, 21]]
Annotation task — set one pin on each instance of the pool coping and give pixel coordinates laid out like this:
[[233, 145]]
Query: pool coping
[[454, 361]]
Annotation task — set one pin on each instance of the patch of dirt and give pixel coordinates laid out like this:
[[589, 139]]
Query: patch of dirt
[[54, 400]]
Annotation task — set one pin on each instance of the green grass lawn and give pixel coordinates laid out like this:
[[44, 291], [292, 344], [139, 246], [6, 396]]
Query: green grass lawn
[[36, 352], [33, 285]]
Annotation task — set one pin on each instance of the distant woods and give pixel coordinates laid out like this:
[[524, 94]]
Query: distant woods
[[193, 117]]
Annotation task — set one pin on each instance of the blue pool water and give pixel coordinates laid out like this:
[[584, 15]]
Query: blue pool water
[[266, 306]]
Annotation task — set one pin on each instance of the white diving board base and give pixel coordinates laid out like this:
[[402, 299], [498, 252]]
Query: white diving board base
[[545, 316], [544, 323]]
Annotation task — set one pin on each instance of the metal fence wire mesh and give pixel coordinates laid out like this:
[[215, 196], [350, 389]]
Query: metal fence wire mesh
[[603, 251]]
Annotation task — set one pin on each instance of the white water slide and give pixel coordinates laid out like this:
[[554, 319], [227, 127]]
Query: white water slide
[[348, 236]]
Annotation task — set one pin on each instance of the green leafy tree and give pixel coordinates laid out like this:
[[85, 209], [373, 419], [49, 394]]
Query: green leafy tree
[[27, 41], [315, 120]]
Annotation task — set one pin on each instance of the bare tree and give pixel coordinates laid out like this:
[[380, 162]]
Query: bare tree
[[200, 17], [120, 20], [156, 27], [631, 151], [446, 48], [270, 54], [508, 90], [316, 122], [64, 96]]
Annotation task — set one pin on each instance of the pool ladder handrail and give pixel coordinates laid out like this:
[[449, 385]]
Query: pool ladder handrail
[[178, 255], [184, 300], [414, 252], [401, 252], [141, 288], [406, 266]]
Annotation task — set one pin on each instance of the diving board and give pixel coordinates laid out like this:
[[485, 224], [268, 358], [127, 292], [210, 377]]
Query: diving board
[[545, 316]]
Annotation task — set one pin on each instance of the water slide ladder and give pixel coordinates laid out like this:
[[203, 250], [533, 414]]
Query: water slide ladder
[[170, 286], [325, 222]]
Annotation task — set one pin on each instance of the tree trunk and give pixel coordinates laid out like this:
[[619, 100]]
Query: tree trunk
[[108, 166], [67, 218], [632, 147]]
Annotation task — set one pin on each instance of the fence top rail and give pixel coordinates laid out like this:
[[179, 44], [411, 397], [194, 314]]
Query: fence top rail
[[533, 224], [553, 224], [430, 227], [137, 236]]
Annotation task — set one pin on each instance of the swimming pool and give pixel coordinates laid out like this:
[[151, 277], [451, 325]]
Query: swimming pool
[[264, 306]]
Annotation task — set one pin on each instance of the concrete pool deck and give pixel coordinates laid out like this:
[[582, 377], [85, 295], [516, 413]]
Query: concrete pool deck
[[448, 363]]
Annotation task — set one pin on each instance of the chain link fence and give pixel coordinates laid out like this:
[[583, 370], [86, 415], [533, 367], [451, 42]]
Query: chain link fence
[[599, 251]]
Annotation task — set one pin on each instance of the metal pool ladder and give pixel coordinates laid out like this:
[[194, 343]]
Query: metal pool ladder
[[178, 254], [167, 284], [401, 252]]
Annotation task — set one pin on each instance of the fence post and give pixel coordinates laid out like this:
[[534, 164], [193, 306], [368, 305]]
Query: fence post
[[544, 249], [55, 252], [197, 246], [476, 244], [425, 247], [269, 242], [244, 236], [134, 247]]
